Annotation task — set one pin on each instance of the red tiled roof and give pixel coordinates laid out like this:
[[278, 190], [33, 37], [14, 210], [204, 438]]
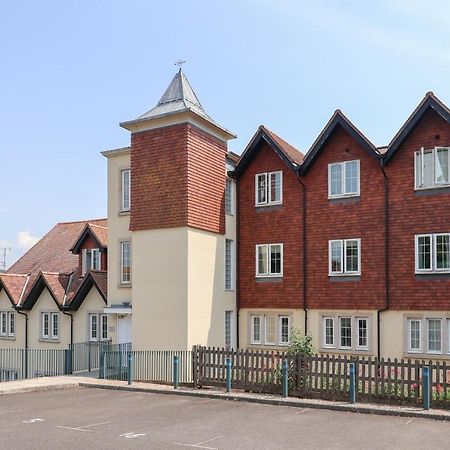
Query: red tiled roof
[[101, 279], [13, 285], [101, 233], [57, 284], [290, 151], [51, 253]]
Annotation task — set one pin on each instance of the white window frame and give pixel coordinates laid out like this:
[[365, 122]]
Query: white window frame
[[229, 197], [267, 177], [324, 332], [11, 320], [4, 321], [342, 166], [344, 347], [99, 317], [274, 318], [91, 252], [232, 265], [51, 336], [44, 316], [252, 329], [410, 349], [280, 330], [123, 206], [343, 271], [91, 317], [357, 344], [433, 255], [420, 154], [121, 265], [434, 352], [228, 316], [267, 273], [103, 317], [54, 335]]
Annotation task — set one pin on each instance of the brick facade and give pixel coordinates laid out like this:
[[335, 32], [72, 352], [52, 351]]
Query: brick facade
[[177, 179], [90, 243], [412, 213], [265, 225]]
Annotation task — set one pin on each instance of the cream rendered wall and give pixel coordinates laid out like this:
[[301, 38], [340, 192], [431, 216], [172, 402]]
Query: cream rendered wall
[[160, 289], [45, 303], [118, 227], [315, 329], [207, 298], [19, 340], [93, 303], [298, 321]]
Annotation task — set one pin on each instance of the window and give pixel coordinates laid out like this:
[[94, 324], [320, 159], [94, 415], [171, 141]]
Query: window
[[228, 328], [269, 260], [432, 168], [434, 335], [432, 253], [414, 335], [255, 329], [126, 190], [363, 334], [229, 264], [270, 331], [229, 197], [125, 262], [7, 324], [346, 332], [344, 257], [328, 331], [98, 327], [50, 325], [284, 329], [268, 188], [343, 179], [90, 260]]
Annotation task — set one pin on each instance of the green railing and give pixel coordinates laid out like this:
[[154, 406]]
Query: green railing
[[86, 355]]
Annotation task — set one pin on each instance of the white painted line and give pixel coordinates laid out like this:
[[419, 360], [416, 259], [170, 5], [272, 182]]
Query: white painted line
[[94, 424], [131, 435], [209, 440], [409, 421], [301, 411], [199, 444], [72, 428], [83, 428], [32, 420]]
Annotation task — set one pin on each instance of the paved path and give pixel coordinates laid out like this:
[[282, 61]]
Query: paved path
[[68, 382], [110, 419]]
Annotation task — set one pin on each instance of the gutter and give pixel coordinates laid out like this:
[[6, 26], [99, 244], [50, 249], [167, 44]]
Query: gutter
[[238, 265], [305, 255]]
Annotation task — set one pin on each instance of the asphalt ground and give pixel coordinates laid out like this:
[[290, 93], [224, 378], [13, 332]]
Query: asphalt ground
[[106, 419]]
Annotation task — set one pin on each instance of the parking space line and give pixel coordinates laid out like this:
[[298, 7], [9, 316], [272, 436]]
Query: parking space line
[[72, 428], [83, 428], [199, 444], [409, 421]]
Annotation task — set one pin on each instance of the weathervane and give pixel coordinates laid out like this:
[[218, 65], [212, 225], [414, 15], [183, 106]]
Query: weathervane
[[179, 63]]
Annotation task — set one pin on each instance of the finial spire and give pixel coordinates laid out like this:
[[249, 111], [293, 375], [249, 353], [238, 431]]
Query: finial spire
[[179, 63]]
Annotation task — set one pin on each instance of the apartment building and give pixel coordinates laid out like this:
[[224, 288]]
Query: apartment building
[[349, 242]]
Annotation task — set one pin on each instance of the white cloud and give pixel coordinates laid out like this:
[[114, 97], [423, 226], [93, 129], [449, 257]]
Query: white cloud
[[25, 240]]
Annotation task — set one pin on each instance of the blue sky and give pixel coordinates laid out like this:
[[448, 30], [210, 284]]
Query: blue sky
[[71, 71]]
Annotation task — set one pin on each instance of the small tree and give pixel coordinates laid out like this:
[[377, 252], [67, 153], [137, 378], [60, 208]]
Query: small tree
[[300, 344]]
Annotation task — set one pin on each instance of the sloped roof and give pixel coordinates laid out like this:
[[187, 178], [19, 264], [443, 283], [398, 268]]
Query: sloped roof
[[430, 101], [289, 154], [97, 232], [338, 119], [14, 286], [82, 286], [178, 97], [52, 253]]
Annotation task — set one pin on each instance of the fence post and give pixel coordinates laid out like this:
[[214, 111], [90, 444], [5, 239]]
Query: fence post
[[228, 374], [67, 362], [101, 373], [426, 387], [352, 383], [285, 377], [130, 367], [176, 362]]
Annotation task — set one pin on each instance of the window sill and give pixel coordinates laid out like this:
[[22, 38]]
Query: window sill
[[268, 205], [50, 341], [8, 338], [445, 189], [342, 199], [346, 351], [269, 278], [124, 285], [432, 275], [229, 290], [124, 213], [344, 277]]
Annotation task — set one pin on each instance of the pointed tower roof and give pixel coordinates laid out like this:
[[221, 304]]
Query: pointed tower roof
[[178, 98]]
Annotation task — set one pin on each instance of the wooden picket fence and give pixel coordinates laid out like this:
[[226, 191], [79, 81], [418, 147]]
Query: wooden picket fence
[[323, 376]]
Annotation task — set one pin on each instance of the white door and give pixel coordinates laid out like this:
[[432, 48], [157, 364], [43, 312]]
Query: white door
[[124, 329]]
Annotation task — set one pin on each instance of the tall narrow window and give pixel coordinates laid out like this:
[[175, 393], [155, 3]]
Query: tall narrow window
[[434, 335], [11, 324], [45, 325], [269, 188], [229, 264], [93, 327], [346, 332], [423, 251], [432, 252], [363, 333], [256, 329], [269, 260], [228, 328], [328, 331], [270, 330], [104, 325], [344, 257], [126, 190], [55, 325], [4, 323], [125, 262], [229, 197], [90, 260], [414, 334], [343, 179], [284, 329]]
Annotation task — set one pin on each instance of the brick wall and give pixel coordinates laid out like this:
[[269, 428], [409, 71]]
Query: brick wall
[[267, 225], [357, 217], [414, 213], [178, 179]]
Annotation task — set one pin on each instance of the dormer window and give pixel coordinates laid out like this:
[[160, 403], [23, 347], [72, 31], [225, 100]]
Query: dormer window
[[343, 179], [268, 188], [90, 260], [432, 168]]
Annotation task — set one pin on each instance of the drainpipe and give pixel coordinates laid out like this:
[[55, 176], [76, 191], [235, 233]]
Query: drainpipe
[[305, 256], [237, 264], [64, 307], [386, 258], [64, 311], [18, 308]]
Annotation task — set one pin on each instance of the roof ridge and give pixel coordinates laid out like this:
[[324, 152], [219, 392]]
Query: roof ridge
[[5, 274], [82, 221], [98, 226], [279, 137]]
